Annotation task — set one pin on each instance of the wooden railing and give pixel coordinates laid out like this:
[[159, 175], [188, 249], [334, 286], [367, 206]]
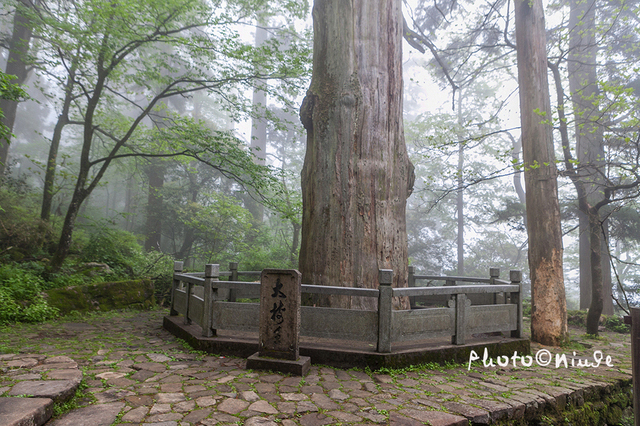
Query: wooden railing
[[204, 299]]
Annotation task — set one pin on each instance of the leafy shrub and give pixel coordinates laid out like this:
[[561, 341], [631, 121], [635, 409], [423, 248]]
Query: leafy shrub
[[20, 296], [615, 323], [118, 249], [610, 322], [22, 233], [526, 307]]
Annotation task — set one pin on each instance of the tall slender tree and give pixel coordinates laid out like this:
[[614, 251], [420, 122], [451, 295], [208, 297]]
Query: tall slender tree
[[549, 311], [17, 65]]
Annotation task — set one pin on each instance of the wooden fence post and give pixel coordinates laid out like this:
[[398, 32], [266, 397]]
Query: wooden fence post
[[233, 267], [211, 274], [494, 274], [516, 279], [385, 297], [177, 268]]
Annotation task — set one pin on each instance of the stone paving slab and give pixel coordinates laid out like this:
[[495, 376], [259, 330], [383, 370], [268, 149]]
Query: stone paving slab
[[135, 372], [25, 411]]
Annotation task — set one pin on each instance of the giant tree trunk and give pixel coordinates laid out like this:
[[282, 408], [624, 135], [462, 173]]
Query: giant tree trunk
[[16, 65], [549, 312], [357, 174], [583, 85]]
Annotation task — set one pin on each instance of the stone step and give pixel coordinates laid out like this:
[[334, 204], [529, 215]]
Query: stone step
[[34, 383], [25, 411]]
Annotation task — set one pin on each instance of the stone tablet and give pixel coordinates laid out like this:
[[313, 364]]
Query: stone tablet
[[280, 313]]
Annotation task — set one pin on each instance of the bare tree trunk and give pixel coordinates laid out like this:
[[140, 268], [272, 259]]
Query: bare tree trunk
[[597, 299], [549, 312], [357, 174], [583, 85], [52, 159], [16, 65], [258, 130], [460, 193], [155, 174]]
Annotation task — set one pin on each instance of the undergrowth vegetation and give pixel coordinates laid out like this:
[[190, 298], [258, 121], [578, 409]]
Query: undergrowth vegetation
[[100, 253], [103, 252]]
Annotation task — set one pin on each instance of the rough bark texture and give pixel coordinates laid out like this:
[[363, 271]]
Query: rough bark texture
[[549, 312], [16, 65], [583, 86], [356, 175]]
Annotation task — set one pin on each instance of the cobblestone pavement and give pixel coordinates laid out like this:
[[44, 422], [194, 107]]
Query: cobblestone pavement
[[134, 372]]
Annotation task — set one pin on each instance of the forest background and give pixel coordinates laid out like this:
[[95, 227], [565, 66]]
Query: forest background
[[161, 130]]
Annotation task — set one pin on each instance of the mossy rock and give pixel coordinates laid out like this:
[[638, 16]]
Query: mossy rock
[[134, 294]]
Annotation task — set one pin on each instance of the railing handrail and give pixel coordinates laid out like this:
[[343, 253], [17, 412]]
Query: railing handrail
[[200, 307], [451, 278], [450, 290]]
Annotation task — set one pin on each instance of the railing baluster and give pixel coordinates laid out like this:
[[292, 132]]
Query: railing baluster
[[516, 279], [233, 267], [385, 297], [177, 268], [211, 274], [494, 274]]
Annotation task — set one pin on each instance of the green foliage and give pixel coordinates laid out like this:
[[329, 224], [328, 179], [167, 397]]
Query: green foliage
[[118, 249], [22, 234], [610, 322], [20, 296], [12, 92], [526, 307]]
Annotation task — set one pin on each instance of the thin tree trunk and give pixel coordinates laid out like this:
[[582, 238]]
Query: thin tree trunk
[[155, 174], [597, 299], [460, 193], [16, 65], [258, 129], [357, 174], [52, 160], [549, 313], [583, 85]]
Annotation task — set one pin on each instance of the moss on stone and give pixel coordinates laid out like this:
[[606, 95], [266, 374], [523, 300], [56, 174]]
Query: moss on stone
[[134, 294]]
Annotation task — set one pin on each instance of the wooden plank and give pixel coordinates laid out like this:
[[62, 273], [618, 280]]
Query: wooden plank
[[491, 318], [466, 289], [423, 324], [335, 323], [236, 316]]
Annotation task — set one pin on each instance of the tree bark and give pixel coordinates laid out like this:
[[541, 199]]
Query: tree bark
[[52, 159], [460, 193], [549, 312], [356, 175], [583, 85], [155, 174], [258, 130], [16, 65]]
